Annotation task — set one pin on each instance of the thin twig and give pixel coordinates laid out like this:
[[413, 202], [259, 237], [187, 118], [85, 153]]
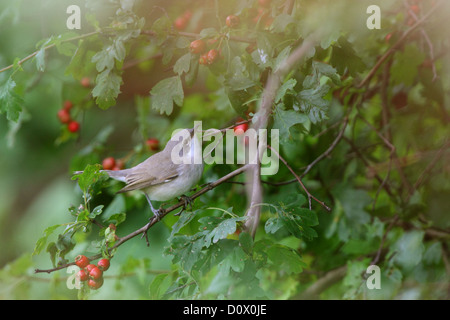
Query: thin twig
[[30, 56], [310, 196], [330, 148]]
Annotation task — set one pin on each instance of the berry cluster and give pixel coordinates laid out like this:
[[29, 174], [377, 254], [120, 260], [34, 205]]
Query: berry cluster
[[110, 163], [65, 117], [207, 54], [91, 273]]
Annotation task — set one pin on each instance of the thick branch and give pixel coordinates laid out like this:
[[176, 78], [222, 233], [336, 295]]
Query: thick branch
[[261, 118]]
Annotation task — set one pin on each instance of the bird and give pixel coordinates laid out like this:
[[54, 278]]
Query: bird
[[167, 174]]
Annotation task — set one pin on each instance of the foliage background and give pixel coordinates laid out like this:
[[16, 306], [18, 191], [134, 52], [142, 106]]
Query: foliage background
[[408, 228]]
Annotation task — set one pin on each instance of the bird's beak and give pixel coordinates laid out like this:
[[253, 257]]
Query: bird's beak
[[191, 132]]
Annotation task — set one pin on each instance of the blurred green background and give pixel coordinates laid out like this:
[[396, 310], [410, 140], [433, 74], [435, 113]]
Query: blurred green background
[[35, 186]]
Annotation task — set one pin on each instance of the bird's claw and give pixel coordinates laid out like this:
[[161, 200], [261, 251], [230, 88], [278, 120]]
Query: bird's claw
[[187, 202]]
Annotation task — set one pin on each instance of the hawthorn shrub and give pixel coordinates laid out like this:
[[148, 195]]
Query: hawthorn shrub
[[362, 117]]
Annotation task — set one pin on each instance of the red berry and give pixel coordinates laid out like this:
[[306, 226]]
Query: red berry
[[81, 261], [240, 129], [85, 82], [67, 105], [212, 56], [103, 264], [83, 275], [108, 163], [264, 3], [95, 273], [152, 144], [197, 46], [415, 8], [95, 284], [89, 267], [180, 23], [73, 126], [64, 116], [232, 21], [203, 59]]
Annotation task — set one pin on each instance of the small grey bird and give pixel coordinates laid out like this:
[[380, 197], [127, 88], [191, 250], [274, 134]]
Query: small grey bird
[[167, 174]]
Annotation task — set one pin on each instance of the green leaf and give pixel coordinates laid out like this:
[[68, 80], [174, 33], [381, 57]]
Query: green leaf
[[167, 92], [294, 219], [320, 69], [221, 230], [405, 67], [40, 244], [11, 103], [285, 259], [273, 225], [353, 279], [286, 88], [183, 64], [187, 250], [90, 175], [344, 58], [104, 59], [282, 22], [182, 221], [238, 77], [409, 249], [107, 88], [96, 211], [209, 33], [312, 103], [246, 242], [159, 286], [234, 260], [285, 119], [162, 27], [40, 60]]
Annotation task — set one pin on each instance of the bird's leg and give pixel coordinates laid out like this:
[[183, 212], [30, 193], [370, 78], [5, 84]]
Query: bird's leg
[[187, 202], [157, 213]]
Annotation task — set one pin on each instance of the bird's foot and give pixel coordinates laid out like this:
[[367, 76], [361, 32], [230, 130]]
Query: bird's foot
[[187, 202]]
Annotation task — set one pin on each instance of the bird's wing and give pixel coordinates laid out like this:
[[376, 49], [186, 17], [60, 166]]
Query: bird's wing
[[143, 176]]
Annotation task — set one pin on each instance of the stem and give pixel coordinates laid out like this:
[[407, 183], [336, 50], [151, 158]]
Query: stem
[[48, 47]]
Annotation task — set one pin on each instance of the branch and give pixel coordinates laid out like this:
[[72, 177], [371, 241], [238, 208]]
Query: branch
[[322, 284], [330, 148], [192, 35], [48, 47], [261, 118], [310, 196], [154, 220]]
